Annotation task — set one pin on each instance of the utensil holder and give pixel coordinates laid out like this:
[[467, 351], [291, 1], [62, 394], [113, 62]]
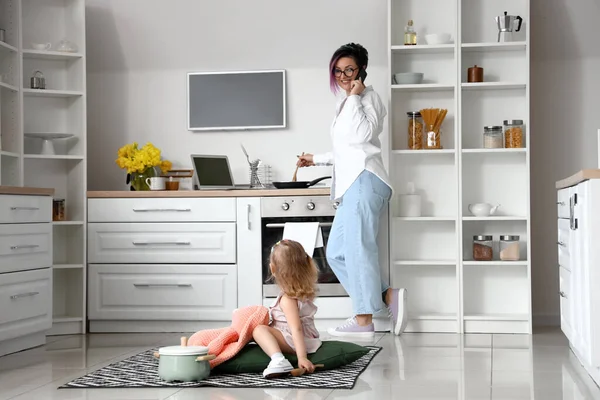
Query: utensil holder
[[254, 179], [265, 174]]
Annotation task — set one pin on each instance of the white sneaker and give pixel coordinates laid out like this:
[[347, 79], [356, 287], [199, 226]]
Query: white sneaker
[[402, 312], [351, 329], [277, 367], [398, 311]]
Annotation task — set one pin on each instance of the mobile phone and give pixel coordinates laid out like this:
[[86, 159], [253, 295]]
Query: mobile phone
[[362, 75]]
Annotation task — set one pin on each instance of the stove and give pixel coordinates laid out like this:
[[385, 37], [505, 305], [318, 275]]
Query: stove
[[275, 212]]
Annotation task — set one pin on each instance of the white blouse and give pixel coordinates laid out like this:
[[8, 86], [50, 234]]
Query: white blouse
[[355, 135]]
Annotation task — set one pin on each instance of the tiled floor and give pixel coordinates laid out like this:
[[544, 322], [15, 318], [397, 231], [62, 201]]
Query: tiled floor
[[413, 366]]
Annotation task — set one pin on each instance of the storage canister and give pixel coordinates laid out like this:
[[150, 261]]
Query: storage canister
[[509, 248], [38, 81], [415, 130], [475, 74], [482, 248], [513, 133], [492, 137]]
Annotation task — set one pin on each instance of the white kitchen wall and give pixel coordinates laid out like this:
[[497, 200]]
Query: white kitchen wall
[[140, 50]]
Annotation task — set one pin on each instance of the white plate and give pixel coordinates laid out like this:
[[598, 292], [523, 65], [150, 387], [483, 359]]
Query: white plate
[[49, 136]]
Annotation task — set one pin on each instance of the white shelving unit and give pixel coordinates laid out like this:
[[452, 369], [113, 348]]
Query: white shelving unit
[[431, 255], [60, 108]]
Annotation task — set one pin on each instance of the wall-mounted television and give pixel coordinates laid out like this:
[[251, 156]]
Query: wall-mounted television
[[236, 100]]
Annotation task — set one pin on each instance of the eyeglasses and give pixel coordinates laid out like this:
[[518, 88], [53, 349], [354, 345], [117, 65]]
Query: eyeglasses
[[348, 72]]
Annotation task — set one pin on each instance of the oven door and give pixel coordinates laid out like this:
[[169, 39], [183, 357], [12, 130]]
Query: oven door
[[272, 232]]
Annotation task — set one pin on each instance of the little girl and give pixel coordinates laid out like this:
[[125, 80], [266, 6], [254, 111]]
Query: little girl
[[292, 329]]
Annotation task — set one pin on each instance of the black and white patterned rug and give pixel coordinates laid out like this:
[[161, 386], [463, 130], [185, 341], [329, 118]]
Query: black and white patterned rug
[[141, 371]]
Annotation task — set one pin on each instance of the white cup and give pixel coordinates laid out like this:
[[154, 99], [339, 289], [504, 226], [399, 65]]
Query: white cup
[[156, 183]]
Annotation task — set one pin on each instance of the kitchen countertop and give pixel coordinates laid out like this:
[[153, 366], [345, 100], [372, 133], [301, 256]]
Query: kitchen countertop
[[579, 177], [208, 193], [28, 191]]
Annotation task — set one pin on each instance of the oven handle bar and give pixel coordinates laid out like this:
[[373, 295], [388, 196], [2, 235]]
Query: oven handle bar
[[321, 224]]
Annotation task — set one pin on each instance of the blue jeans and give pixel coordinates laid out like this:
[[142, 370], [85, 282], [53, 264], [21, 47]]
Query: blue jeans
[[352, 250]]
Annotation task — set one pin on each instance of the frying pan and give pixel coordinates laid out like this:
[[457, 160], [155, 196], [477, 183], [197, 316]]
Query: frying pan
[[298, 184]]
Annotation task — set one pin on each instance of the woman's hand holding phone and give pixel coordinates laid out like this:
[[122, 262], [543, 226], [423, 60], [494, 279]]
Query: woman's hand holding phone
[[356, 87]]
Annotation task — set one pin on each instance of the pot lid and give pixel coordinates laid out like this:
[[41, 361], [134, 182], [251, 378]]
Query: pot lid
[[183, 351]]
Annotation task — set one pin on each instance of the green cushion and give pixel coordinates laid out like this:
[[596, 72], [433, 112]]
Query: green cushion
[[332, 354]]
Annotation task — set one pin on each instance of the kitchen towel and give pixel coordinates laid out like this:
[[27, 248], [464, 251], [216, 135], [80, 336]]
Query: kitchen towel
[[308, 234]]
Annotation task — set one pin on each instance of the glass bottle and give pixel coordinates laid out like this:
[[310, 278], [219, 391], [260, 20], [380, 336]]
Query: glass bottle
[[410, 36]]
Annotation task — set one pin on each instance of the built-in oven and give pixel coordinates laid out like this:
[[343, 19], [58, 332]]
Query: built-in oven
[[275, 212]]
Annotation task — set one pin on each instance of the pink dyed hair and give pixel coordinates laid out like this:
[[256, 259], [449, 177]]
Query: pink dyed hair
[[333, 85]]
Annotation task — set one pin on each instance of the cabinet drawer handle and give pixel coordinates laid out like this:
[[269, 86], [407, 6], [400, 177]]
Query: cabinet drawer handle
[[161, 243], [560, 203], [24, 208], [561, 244], [159, 285], [562, 294], [322, 224], [21, 295], [162, 210], [248, 212], [24, 246]]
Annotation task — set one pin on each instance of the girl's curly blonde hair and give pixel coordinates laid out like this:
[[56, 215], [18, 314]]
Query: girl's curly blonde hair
[[293, 270]]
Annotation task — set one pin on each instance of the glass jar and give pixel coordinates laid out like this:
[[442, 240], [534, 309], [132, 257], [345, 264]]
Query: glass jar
[[138, 179], [433, 138], [58, 210], [509, 248], [513, 133], [492, 137], [482, 248], [415, 130]]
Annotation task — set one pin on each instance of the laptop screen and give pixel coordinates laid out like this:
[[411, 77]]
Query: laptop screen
[[212, 171]]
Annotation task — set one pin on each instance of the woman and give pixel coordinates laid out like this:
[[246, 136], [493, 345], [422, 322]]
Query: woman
[[361, 185]]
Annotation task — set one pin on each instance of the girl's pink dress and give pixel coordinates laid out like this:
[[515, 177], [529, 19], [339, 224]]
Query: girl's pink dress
[[306, 310]]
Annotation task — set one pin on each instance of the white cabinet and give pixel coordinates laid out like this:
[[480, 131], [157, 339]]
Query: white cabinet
[[162, 292], [579, 258], [25, 247], [566, 311], [26, 303], [161, 263], [26, 276], [161, 243], [249, 245], [20, 209], [162, 210]]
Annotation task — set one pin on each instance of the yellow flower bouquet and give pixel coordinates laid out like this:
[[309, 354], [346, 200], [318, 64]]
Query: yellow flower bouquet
[[141, 163]]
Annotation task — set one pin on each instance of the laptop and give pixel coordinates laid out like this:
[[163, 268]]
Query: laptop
[[214, 173]]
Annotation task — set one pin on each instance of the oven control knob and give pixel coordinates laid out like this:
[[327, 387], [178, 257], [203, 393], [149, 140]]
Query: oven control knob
[[285, 206], [310, 205]]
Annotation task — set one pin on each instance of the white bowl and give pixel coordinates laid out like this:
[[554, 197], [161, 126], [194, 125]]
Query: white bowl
[[41, 46], [408, 78], [437, 38]]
